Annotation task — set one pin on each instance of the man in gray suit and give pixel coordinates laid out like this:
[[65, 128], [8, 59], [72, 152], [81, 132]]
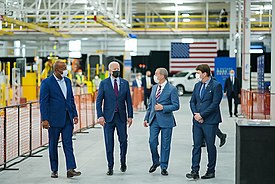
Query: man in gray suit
[[163, 101]]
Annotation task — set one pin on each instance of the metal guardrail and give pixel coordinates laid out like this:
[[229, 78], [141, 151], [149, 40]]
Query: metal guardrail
[[21, 133]]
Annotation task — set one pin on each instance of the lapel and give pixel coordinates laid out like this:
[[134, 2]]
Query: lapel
[[121, 86], [111, 87], [67, 85], [57, 86], [164, 91], [154, 91], [208, 87]]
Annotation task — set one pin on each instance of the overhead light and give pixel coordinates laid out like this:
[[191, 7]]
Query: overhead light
[[117, 16], [256, 51], [261, 38], [109, 8], [259, 12], [84, 39], [252, 19], [186, 20], [123, 21], [235, 51], [128, 25], [268, 7], [187, 40], [92, 8], [20, 27], [15, 2], [185, 14]]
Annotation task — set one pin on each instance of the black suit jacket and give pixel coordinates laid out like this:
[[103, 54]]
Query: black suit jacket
[[228, 87], [143, 81]]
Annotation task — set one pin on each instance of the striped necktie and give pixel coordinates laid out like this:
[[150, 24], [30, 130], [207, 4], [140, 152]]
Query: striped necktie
[[158, 93]]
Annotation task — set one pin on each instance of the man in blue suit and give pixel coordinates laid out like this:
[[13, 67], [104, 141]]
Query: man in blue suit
[[205, 107], [58, 115], [163, 101], [115, 92]]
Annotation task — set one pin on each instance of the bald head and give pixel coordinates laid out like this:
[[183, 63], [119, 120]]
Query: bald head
[[58, 68]]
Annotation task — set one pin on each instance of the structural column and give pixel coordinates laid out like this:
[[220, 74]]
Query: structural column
[[232, 28], [272, 103], [246, 46]]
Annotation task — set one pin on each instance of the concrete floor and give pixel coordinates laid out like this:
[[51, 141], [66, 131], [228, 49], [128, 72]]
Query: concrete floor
[[91, 161]]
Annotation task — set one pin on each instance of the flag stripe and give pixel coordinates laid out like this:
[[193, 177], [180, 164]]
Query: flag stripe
[[185, 55]]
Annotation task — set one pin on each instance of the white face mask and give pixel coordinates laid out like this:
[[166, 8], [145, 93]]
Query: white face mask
[[139, 77], [96, 77], [198, 77], [64, 74], [156, 79], [232, 75]]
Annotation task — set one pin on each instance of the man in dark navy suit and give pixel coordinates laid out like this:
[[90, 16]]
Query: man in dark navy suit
[[115, 92], [205, 107], [58, 115], [147, 84]]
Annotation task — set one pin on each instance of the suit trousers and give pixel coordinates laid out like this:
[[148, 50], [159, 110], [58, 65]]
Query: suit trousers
[[67, 143], [109, 129], [229, 98], [166, 135], [208, 132]]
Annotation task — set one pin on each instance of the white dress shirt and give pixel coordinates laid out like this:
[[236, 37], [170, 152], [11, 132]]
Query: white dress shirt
[[162, 87], [62, 85], [117, 81]]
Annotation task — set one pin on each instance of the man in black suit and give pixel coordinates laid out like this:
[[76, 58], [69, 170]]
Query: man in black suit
[[147, 84], [232, 90]]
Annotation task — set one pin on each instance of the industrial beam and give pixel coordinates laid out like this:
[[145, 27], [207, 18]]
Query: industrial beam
[[35, 27], [5, 33], [110, 26]]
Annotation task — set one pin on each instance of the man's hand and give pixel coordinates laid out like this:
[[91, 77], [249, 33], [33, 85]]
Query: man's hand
[[197, 117], [130, 121], [158, 107], [101, 121], [239, 95], [75, 120], [145, 123], [45, 124]]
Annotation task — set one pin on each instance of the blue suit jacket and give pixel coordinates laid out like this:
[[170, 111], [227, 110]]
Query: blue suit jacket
[[106, 93], [170, 100], [53, 105], [209, 106]]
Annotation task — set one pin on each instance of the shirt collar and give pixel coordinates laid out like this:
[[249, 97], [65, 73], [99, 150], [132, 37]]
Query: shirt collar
[[61, 80], [113, 79], [207, 82], [163, 84]]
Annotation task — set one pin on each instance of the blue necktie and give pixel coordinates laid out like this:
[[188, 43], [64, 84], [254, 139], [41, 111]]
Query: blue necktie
[[202, 91]]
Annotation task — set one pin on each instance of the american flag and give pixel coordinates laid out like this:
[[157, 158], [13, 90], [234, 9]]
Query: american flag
[[190, 55]]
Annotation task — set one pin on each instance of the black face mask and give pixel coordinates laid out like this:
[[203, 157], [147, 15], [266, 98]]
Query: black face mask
[[116, 74]]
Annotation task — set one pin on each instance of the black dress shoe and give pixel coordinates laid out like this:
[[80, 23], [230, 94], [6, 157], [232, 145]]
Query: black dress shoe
[[164, 172], [110, 172], [71, 173], [153, 168], [236, 115], [54, 174], [223, 140], [230, 115], [193, 175], [123, 168], [208, 176]]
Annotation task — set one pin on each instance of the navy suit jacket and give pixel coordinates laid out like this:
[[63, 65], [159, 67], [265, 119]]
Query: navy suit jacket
[[53, 105], [106, 93], [209, 106], [170, 100]]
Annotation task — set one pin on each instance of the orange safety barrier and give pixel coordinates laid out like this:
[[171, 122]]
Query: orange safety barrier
[[255, 105], [21, 132], [137, 98]]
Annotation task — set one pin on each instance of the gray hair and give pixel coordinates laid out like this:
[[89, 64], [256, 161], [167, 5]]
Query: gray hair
[[110, 64], [164, 72]]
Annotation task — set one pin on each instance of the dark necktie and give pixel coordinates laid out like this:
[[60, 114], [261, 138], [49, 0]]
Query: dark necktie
[[116, 88], [202, 91], [116, 93], [158, 93]]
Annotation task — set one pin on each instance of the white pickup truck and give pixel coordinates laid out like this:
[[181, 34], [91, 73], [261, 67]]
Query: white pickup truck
[[184, 81]]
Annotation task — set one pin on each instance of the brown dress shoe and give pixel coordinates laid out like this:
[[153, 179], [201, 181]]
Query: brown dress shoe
[[54, 174], [71, 173]]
